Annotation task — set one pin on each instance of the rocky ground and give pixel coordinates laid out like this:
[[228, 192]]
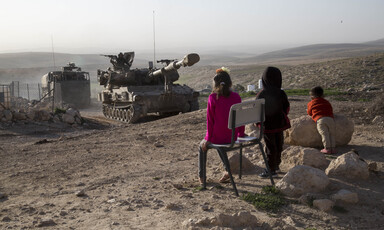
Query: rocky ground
[[109, 175]]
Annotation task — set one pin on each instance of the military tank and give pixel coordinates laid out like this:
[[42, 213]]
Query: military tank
[[130, 94], [69, 86]]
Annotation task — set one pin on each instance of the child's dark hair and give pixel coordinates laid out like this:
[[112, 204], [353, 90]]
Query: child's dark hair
[[317, 91], [222, 83]]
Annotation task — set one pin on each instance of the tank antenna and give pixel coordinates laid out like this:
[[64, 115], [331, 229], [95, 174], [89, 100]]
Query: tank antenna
[[53, 54], [154, 43]]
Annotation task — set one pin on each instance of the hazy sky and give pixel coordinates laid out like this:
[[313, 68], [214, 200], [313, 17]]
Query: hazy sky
[[94, 26]]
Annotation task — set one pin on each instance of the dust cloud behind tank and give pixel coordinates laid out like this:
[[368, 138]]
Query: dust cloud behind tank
[[130, 94], [70, 86]]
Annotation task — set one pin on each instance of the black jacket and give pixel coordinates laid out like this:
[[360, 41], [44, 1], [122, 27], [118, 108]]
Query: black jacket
[[276, 102]]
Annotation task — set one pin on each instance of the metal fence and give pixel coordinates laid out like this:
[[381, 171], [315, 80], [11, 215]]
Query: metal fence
[[5, 96], [30, 91], [10, 94]]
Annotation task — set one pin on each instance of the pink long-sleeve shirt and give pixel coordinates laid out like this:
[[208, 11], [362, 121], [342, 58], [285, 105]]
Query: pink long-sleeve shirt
[[217, 118]]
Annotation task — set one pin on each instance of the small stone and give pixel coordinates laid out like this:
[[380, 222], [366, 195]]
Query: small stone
[[46, 222], [177, 186], [63, 213], [80, 193], [111, 201], [345, 196], [2, 195], [171, 206], [158, 145], [372, 166], [6, 219], [323, 204], [205, 207]]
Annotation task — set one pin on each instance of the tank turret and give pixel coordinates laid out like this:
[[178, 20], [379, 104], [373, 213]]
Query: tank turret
[[133, 93]]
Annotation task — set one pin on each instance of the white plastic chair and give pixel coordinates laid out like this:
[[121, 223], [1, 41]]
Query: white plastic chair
[[241, 114]]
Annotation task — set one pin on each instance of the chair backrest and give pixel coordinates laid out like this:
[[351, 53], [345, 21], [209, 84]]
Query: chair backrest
[[246, 113]]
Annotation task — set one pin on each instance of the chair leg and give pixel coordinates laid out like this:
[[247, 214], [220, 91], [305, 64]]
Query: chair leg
[[241, 161], [266, 163], [224, 158], [203, 162]]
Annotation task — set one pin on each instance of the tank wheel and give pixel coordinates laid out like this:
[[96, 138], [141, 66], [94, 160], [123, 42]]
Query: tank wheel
[[122, 114], [110, 112], [133, 114]]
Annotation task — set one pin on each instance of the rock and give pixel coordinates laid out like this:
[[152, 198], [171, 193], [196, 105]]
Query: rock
[[323, 204], [205, 207], [303, 179], [172, 206], [252, 130], [32, 114], [378, 119], [372, 166], [7, 115], [56, 118], [67, 118], [78, 120], [19, 116], [348, 165], [345, 196], [6, 219], [72, 112], [43, 115], [46, 223], [308, 198], [297, 155], [241, 220], [80, 193], [234, 162], [63, 213], [304, 132]]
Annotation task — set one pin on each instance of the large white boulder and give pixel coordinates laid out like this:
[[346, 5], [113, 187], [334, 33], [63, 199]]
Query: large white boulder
[[247, 165], [304, 132], [345, 196], [68, 118], [297, 155], [349, 165], [303, 179]]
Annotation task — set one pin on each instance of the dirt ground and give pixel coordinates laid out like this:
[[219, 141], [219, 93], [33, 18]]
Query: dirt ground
[[111, 175]]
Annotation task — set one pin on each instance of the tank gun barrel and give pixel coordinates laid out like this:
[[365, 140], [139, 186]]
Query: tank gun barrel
[[188, 60], [109, 56]]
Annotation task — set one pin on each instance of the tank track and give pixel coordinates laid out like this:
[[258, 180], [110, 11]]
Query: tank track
[[129, 114]]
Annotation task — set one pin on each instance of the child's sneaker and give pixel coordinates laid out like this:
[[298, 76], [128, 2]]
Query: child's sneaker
[[265, 174], [326, 151]]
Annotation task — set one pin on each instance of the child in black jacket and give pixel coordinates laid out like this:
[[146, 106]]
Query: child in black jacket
[[276, 119]]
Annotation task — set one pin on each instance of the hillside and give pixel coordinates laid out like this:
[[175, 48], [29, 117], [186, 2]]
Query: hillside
[[342, 73]]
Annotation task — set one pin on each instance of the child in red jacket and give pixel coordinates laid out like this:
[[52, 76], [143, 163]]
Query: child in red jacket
[[321, 112]]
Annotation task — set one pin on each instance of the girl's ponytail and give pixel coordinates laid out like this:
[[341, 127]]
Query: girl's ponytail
[[222, 83]]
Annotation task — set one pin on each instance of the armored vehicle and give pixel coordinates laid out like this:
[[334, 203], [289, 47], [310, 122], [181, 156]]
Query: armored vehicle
[[69, 86], [133, 93]]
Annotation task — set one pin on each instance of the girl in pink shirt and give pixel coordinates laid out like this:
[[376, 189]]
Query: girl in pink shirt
[[219, 103]]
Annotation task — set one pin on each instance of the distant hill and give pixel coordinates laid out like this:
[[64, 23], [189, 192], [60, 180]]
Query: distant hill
[[318, 52]]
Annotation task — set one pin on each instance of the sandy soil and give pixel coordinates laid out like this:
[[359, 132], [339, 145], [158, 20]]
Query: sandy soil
[[144, 176]]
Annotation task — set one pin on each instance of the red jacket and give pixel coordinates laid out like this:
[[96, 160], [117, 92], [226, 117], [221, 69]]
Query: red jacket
[[318, 108]]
